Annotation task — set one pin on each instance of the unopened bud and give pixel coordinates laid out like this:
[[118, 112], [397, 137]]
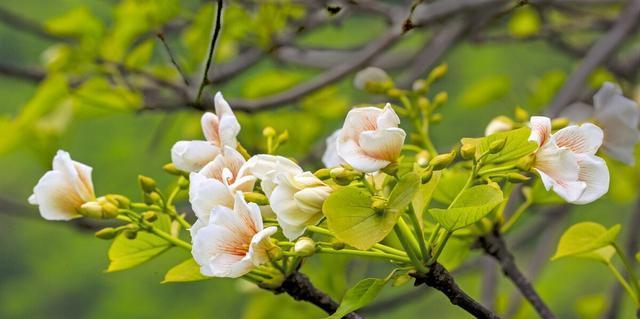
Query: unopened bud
[[106, 233], [274, 252], [341, 176], [91, 209], [394, 93], [497, 145], [438, 72], [268, 132], [401, 280], [435, 118], [423, 103], [442, 161], [305, 247], [422, 158], [253, 197], [172, 169], [426, 177], [517, 178], [155, 197], [441, 98], [109, 210], [130, 234], [147, 199], [499, 124], [338, 245], [420, 86], [283, 137], [559, 123], [147, 184], [150, 216], [521, 114], [183, 182], [119, 200], [323, 173], [391, 169], [379, 205], [373, 80], [468, 151]]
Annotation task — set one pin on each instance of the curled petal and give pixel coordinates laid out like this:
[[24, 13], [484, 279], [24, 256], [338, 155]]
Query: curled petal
[[211, 128], [78, 174], [388, 118], [583, 139], [351, 152], [594, 172], [191, 156], [206, 193], [383, 144], [265, 167], [540, 129], [559, 169], [260, 246], [229, 125], [359, 120], [56, 197]]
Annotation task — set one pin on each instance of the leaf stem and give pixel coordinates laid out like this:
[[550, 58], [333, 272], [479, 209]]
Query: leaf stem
[[439, 248], [629, 268], [623, 282], [410, 252], [515, 217], [363, 253], [416, 225]]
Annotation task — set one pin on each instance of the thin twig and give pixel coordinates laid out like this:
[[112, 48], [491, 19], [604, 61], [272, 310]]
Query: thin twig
[[24, 24], [185, 79], [212, 46], [27, 73]]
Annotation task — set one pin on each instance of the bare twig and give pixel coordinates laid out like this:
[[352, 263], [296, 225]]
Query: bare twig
[[185, 79], [212, 46], [602, 49], [24, 24], [27, 73]]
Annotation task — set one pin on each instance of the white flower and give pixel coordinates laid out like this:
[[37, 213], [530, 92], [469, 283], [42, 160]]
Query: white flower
[[566, 160], [330, 158], [61, 192], [296, 197], [215, 184], [370, 75], [370, 138], [234, 242], [617, 115], [219, 129], [499, 124]]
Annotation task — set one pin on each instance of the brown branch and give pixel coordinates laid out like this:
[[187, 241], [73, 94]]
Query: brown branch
[[494, 245], [439, 278], [172, 58], [226, 71], [597, 54], [26, 73], [298, 286], [212, 46]]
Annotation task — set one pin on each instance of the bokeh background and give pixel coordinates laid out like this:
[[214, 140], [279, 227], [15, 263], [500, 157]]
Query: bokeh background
[[57, 269]]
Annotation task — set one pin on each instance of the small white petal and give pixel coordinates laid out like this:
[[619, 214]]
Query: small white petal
[[583, 139], [262, 166], [229, 125], [498, 124], [540, 129], [260, 244], [205, 194], [559, 170], [330, 158], [594, 172], [211, 128], [191, 156], [388, 118], [359, 120]]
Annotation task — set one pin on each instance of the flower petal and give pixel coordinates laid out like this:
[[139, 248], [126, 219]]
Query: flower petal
[[219, 252], [370, 74], [262, 166], [558, 168], [191, 156], [359, 120], [594, 172], [388, 118], [260, 245], [351, 152], [540, 129], [56, 197], [211, 128], [206, 193], [583, 139], [383, 144], [330, 158], [78, 174], [229, 125]]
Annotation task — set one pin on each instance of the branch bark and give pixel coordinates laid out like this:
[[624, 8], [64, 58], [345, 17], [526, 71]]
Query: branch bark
[[494, 245], [298, 286], [26, 73], [439, 278]]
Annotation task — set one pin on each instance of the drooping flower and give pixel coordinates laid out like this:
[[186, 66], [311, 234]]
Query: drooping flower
[[295, 196], [61, 192], [219, 130], [566, 160], [215, 184], [234, 241], [330, 158], [618, 117], [370, 138]]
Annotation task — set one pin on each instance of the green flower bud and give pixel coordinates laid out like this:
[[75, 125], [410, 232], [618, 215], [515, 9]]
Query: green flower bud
[[426, 177], [559, 123], [422, 158], [253, 197], [435, 118], [497, 145], [468, 151], [438, 72], [150, 216], [147, 199], [341, 176], [401, 280], [521, 114], [379, 205], [119, 200], [172, 169], [338, 245], [517, 178], [155, 197], [420, 86], [183, 182], [423, 103], [91, 209], [305, 247], [109, 210], [268, 132], [441, 98], [323, 173], [106, 233], [442, 161], [283, 137], [394, 93], [525, 163], [130, 234], [274, 252], [272, 283], [147, 184]]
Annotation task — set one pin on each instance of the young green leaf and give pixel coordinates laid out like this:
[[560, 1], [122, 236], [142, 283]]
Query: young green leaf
[[451, 183], [360, 295], [185, 271], [472, 205], [517, 145], [603, 254], [404, 192], [585, 237], [423, 198], [353, 221], [127, 253]]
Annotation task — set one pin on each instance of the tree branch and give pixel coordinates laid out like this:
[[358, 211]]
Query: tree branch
[[597, 54], [212, 46], [494, 245], [298, 286], [27, 73], [439, 278]]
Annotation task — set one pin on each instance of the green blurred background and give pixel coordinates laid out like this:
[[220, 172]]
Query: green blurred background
[[57, 270]]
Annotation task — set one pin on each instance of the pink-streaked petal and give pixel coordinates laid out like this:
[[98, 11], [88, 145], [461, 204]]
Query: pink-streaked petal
[[388, 118], [594, 172], [260, 245], [383, 144], [583, 139], [351, 152], [211, 127], [192, 156], [540, 129], [558, 163], [249, 213], [359, 120], [76, 173]]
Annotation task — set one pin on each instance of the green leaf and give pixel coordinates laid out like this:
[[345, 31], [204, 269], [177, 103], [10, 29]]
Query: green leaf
[[485, 91], [517, 145], [360, 295], [403, 192], [473, 204], [185, 271], [353, 221], [78, 22], [140, 55], [127, 253], [423, 198], [585, 237], [524, 22], [452, 181], [603, 254]]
